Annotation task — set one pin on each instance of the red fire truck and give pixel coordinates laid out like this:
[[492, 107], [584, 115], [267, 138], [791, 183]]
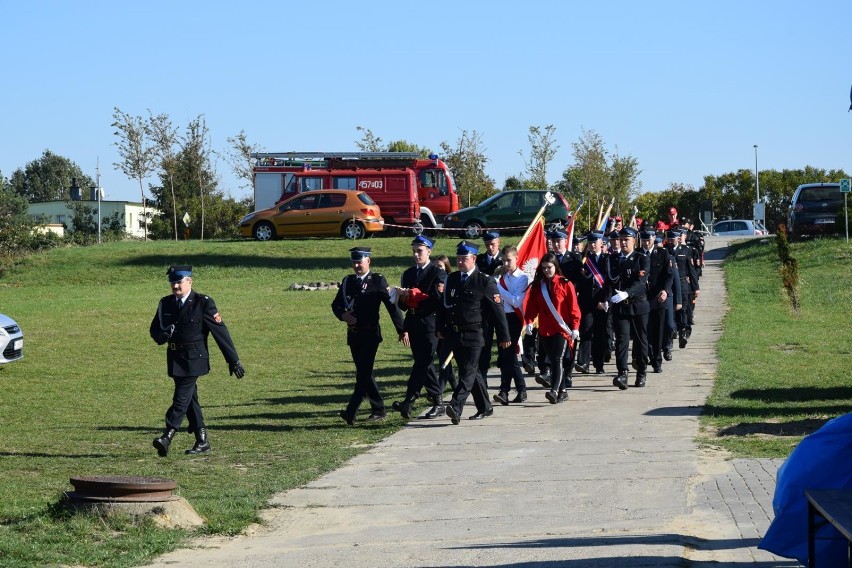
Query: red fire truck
[[383, 175]]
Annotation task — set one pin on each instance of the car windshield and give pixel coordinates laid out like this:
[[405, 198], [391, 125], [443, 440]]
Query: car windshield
[[366, 199], [491, 199]]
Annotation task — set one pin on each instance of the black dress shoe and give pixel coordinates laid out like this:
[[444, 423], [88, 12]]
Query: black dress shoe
[[608, 356], [346, 418], [483, 414], [620, 381], [405, 409], [540, 379], [658, 368], [528, 365], [454, 416], [376, 417], [599, 371], [562, 396], [551, 396], [667, 355], [582, 368], [567, 382], [434, 412], [681, 342], [640, 381], [521, 397], [502, 398], [396, 404]]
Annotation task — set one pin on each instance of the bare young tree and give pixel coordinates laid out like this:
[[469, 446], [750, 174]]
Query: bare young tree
[[543, 149], [197, 146], [239, 157], [134, 148], [164, 135], [467, 161], [369, 142]]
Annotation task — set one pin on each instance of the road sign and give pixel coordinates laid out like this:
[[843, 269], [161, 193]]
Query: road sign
[[845, 185]]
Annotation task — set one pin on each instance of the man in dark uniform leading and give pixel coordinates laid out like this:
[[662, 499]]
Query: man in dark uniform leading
[[659, 288], [470, 298], [357, 304], [184, 320]]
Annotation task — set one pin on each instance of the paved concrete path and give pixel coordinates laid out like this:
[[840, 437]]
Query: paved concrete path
[[610, 478]]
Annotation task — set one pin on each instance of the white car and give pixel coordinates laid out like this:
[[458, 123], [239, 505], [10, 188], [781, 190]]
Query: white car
[[738, 228], [11, 340]]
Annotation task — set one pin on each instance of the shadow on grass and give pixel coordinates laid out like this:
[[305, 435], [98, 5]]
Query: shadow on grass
[[792, 428], [57, 455], [250, 261], [794, 394]]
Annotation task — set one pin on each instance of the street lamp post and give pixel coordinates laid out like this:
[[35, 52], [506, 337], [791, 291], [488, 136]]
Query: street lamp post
[[756, 177]]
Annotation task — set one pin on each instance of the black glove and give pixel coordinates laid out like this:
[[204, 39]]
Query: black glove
[[167, 334], [236, 368]]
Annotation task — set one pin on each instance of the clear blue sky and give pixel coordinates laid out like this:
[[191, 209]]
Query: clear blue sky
[[687, 88]]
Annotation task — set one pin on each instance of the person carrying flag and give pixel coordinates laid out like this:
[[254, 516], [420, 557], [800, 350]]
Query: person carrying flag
[[512, 283]]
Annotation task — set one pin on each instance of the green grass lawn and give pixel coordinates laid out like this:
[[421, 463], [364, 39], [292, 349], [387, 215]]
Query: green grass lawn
[[782, 376], [92, 391]]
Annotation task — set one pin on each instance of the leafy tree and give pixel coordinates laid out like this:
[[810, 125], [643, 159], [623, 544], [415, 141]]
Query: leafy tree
[[543, 149], [197, 149], [134, 148], [164, 136], [599, 177], [513, 182], [467, 161], [17, 235], [84, 221], [48, 178], [406, 146]]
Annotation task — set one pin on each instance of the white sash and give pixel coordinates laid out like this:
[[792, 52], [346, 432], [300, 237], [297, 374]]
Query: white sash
[[553, 311]]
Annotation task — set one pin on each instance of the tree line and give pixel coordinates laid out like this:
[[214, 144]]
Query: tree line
[[186, 189]]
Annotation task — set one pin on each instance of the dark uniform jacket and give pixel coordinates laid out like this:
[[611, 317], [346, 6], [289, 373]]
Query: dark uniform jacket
[[187, 354], [598, 291], [630, 274], [685, 266], [421, 316], [465, 305], [483, 266], [363, 299], [659, 276]]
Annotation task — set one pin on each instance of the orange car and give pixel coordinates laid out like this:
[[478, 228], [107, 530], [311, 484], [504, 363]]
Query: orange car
[[322, 212]]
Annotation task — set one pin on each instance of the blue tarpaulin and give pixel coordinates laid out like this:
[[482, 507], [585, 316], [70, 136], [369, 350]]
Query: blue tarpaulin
[[822, 460]]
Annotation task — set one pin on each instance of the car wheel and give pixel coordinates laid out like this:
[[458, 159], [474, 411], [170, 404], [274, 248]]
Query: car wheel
[[472, 229], [264, 231], [417, 228], [354, 230]]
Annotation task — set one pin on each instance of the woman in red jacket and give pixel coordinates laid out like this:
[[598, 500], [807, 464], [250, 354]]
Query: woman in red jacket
[[553, 300]]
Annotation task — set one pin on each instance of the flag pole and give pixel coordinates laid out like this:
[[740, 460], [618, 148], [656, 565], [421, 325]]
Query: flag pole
[[549, 199]]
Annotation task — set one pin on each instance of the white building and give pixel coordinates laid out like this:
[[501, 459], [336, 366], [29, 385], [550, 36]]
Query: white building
[[58, 212]]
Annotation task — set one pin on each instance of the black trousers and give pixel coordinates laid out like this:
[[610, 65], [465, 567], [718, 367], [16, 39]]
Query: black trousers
[[424, 346], [656, 335], [364, 356], [466, 351], [587, 324], [624, 326], [555, 346], [510, 367], [185, 403], [485, 353], [445, 374]]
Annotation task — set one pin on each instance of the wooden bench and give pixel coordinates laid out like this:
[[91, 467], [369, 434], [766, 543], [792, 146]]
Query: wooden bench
[[832, 506]]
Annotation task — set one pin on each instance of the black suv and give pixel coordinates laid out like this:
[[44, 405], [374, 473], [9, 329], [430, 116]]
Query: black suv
[[814, 210]]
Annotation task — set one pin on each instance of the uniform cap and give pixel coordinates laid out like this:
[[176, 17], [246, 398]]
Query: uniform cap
[[644, 235], [593, 236], [613, 235], [658, 239], [672, 234], [178, 273], [557, 234], [673, 211], [616, 218], [661, 226], [578, 240], [628, 232], [490, 236], [422, 240], [465, 248], [359, 253]]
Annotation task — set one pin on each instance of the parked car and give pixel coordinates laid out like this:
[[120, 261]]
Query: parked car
[[739, 227], [513, 210], [814, 210], [323, 212], [11, 340]]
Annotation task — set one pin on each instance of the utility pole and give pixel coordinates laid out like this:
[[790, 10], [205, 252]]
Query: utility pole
[[98, 191]]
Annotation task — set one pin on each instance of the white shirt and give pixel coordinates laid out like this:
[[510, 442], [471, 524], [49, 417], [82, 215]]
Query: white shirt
[[515, 291]]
